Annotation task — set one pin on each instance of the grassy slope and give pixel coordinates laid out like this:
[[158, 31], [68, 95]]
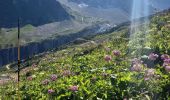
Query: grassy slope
[[84, 65]]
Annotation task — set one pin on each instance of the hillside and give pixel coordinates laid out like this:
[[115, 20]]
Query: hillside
[[105, 67]]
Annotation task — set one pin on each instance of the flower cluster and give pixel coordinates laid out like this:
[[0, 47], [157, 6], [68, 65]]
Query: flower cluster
[[153, 56], [73, 88], [30, 78], [50, 91], [53, 77], [137, 65], [166, 63], [45, 82], [164, 56], [108, 58], [167, 68], [116, 52], [149, 74], [34, 65], [136, 61], [67, 73]]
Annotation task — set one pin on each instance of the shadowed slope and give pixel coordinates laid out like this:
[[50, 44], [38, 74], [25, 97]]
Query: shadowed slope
[[35, 12]]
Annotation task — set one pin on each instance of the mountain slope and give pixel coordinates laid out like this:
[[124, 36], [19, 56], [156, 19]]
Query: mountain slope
[[103, 68], [34, 12]]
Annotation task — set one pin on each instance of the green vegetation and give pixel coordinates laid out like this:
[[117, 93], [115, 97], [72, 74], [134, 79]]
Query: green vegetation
[[10, 35], [104, 68]]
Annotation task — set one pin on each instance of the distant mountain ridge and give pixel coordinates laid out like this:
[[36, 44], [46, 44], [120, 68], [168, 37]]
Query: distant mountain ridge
[[115, 11], [160, 4], [106, 4], [35, 12]]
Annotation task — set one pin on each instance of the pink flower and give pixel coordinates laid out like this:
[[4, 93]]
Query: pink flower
[[125, 99], [164, 56], [67, 73], [149, 74], [34, 65], [146, 78], [153, 56], [45, 82], [50, 91], [116, 52], [30, 78], [136, 61], [167, 68], [73, 88], [136, 67], [53, 77], [107, 58], [166, 62]]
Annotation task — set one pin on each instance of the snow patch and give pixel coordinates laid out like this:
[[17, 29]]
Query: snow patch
[[83, 5]]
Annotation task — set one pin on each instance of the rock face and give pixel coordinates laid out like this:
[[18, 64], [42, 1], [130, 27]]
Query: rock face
[[35, 12]]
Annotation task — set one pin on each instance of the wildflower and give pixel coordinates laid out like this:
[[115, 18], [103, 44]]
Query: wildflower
[[45, 82], [164, 56], [136, 67], [50, 91], [125, 98], [136, 61], [116, 52], [166, 62], [34, 65], [67, 73], [107, 58], [167, 68], [146, 78], [30, 78], [53, 77], [153, 56], [73, 88], [149, 73]]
